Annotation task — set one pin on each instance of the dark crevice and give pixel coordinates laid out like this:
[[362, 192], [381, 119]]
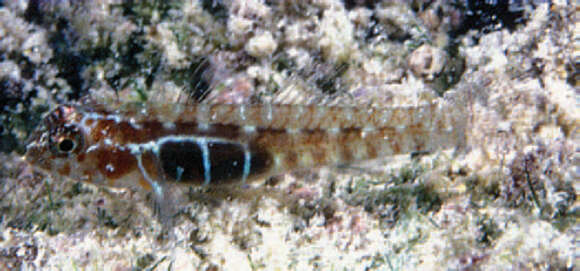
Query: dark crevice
[[488, 16]]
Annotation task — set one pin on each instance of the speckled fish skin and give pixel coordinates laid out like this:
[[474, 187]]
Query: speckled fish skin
[[217, 144]]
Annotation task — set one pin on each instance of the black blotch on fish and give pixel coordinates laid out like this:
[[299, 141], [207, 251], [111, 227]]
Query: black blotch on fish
[[182, 161]]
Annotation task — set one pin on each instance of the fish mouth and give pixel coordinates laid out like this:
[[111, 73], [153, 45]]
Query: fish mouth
[[34, 143], [34, 156]]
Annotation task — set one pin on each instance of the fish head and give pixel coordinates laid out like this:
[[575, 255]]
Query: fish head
[[57, 143]]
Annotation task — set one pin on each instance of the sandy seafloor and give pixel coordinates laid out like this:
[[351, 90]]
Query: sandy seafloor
[[506, 200]]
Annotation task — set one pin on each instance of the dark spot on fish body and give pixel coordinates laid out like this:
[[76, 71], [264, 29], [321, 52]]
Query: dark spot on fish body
[[227, 161], [182, 161], [216, 162], [261, 160]]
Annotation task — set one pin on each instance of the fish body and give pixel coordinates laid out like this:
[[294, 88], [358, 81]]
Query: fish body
[[217, 144]]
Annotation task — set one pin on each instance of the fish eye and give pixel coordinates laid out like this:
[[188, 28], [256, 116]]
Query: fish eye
[[66, 145], [65, 140]]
